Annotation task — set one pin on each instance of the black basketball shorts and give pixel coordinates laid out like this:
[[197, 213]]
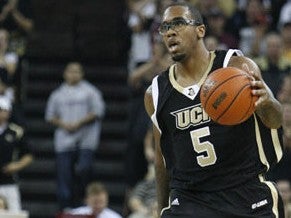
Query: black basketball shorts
[[251, 200]]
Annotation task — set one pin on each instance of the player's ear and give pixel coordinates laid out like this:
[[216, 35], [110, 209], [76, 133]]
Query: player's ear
[[200, 31]]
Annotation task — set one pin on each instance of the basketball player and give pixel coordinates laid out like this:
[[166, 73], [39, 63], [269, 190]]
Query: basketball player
[[203, 169]]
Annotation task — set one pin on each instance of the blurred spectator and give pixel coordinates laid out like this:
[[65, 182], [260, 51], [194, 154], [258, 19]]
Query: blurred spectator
[[8, 60], [13, 142], [205, 6], [8, 92], [285, 13], [135, 161], [154, 28], [275, 11], [136, 164], [285, 91], [216, 21], [211, 42], [76, 108], [242, 4], [147, 71], [287, 124], [284, 97], [286, 36], [143, 198], [5, 89], [16, 17], [141, 15], [252, 26], [227, 6], [3, 203], [272, 64], [284, 188], [96, 203], [282, 170]]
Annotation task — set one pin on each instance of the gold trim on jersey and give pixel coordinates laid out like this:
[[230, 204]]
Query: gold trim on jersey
[[164, 161], [262, 154], [166, 208], [274, 194], [277, 144], [195, 87]]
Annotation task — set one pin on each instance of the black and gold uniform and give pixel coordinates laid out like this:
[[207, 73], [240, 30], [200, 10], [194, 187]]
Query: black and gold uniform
[[210, 165], [12, 142]]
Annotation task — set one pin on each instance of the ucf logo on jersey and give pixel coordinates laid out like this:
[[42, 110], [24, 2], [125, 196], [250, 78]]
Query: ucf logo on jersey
[[193, 115]]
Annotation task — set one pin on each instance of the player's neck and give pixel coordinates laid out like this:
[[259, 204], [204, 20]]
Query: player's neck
[[195, 66]]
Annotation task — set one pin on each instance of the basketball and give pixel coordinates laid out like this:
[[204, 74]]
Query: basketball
[[226, 96]]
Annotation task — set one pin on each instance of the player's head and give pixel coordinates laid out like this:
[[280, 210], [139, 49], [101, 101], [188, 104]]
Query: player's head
[[96, 197], [182, 29], [73, 73]]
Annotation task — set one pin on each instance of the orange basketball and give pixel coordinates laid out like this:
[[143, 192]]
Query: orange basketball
[[226, 96]]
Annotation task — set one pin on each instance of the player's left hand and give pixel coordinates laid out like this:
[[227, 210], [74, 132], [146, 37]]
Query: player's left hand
[[259, 88]]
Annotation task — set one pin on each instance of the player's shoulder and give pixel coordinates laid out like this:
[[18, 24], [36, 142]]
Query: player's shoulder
[[155, 83], [239, 61], [148, 101], [160, 80]]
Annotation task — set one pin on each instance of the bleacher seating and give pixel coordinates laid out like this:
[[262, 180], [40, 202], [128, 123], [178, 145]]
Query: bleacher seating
[[89, 30]]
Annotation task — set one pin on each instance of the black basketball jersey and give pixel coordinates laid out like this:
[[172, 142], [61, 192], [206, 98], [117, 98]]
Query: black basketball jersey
[[201, 154]]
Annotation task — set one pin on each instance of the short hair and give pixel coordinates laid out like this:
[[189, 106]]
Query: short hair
[[196, 15], [95, 188], [76, 63]]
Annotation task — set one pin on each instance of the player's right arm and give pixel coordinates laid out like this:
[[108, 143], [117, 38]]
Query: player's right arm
[[162, 177]]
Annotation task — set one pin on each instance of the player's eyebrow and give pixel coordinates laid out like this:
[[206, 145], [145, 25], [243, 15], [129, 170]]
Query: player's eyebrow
[[175, 18]]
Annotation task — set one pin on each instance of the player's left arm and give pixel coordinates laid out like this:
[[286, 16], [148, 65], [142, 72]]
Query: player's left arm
[[268, 108]]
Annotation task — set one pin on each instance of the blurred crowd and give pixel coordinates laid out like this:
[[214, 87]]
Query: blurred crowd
[[15, 24]]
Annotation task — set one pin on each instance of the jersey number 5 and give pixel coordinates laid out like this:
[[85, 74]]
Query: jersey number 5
[[205, 149]]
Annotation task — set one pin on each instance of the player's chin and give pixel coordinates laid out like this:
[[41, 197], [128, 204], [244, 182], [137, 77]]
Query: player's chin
[[178, 57]]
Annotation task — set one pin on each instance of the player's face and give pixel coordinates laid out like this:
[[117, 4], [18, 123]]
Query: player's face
[[180, 32]]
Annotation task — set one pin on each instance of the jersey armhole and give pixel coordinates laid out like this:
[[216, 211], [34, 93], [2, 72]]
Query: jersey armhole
[[229, 54], [155, 96]]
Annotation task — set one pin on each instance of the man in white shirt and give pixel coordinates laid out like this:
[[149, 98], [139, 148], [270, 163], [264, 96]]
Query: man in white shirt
[[76, 108], [96, 203]]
